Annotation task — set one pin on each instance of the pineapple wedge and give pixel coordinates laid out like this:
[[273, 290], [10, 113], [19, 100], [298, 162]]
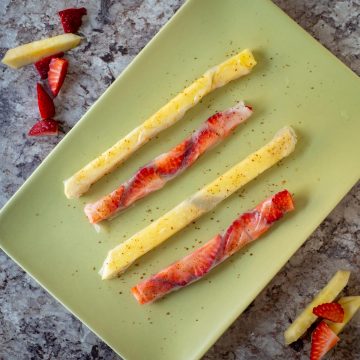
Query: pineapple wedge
[[306, 318], [233, 68], [351, 305], [34, 51], [122, 256]]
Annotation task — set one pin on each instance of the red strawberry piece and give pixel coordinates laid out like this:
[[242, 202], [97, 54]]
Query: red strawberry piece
[[45, 103], [193, 266], [330, 311], [214, 119], [206, 139], [280, 203], [150, 291], [57, 72], [42, 66], [145, 180], [201, 261], [71, 19], [323, 340], [170, 162], [283, 201], [237, 233], [203, 141], [44, 127]]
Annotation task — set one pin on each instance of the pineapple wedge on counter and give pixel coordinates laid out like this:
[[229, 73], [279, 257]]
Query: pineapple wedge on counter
[[326, 295], [36, 50], [351, 305]]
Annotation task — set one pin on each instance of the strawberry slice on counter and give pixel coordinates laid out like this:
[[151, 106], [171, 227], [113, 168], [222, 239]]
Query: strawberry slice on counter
[[57, 72], [44, 128], [330, 311], [42, 66], [71, 19], [323, 340], [45, 103]]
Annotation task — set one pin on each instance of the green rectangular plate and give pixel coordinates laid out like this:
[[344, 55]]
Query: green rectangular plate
[[296, 82]]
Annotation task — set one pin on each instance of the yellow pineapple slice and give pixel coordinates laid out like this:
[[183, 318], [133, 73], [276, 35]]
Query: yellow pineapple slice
[[231, 69], [34, 51], [351, 305], [326, 295], [123, 255]]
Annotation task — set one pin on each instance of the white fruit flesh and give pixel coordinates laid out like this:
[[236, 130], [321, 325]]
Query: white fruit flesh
[[122, 256], [351, 305], [233, 68], [34, 51], [326, 295]]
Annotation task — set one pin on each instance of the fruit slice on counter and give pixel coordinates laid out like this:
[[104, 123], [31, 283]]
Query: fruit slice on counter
[[45, 103], [42, 66], [326, 295], [168, 165], [57, 72], [351, 305], [323, 339], [330, 311], [123, 255], [218, 76], [245, 229], [44, 128], [37, 50], [71, 19]]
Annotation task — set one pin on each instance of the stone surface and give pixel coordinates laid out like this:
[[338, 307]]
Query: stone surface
[[32, 324]]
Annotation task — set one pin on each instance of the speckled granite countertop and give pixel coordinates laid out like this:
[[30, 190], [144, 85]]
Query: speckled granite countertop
[[32, 324]]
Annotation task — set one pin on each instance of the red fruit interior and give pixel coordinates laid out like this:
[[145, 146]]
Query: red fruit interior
[[323, 340], [44, 127], [56, 76], [330, 311], [145, 179], [45, 103], [170, 163], [71, 19], [42, 66]]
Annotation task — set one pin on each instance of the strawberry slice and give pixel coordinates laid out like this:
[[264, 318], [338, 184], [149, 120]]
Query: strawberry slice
[[280, 202], [323, 340], [44, 127], [236, 234], [147, 294], [42, 66], [171, 162], [283, 201], [215, 119], [144, 181], [330, 311], [45, 103], [71, 19], [204, 259], [57, 72], [205, 139], [195, 265]]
